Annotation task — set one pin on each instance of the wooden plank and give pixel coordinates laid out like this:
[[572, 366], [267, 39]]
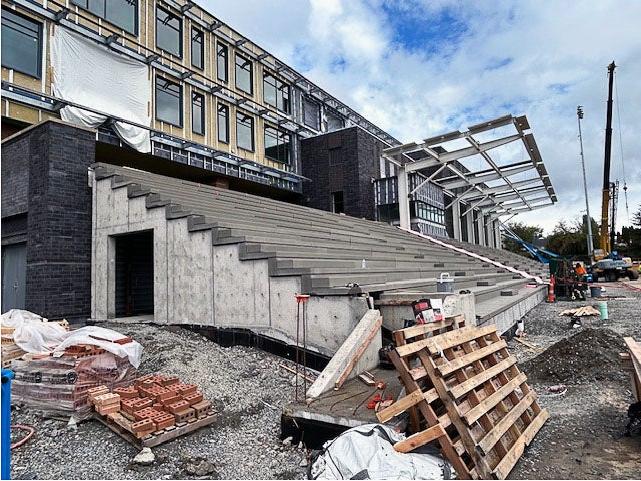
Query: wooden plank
[[525, 343], [501, 427], [459, 390], [419, 439], [506, 464], [419, 329], [448, 339], [405, 403], [359, 353], [418, 373], [181, 431], [467, 359], [492, 400]]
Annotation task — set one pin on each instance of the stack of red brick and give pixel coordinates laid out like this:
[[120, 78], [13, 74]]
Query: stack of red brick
[[152, 403]]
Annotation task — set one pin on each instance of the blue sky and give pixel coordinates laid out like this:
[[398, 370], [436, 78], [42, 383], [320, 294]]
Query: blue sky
[[419, 68]]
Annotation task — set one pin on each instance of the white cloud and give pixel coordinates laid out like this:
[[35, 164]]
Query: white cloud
[[538, 58]]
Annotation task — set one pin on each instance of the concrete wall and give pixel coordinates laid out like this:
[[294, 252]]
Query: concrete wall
[[196, 282], [44, 177]]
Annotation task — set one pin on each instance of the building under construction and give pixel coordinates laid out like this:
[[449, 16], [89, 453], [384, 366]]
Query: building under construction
[[158, 163]]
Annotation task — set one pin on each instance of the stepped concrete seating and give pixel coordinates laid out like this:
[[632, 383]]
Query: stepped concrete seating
[[506, 257], [332, 254]]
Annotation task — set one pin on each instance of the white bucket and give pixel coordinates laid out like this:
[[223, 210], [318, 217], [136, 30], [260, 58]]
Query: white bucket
[[445, 283]]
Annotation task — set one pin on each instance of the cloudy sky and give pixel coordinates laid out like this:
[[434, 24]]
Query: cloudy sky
[[418, 68]]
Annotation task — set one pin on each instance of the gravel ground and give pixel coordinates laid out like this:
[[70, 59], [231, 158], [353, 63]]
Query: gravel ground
[[245, 385], [583, 439]]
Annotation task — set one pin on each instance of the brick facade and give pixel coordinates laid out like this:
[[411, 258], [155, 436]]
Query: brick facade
[[48, 165], [342, 161]]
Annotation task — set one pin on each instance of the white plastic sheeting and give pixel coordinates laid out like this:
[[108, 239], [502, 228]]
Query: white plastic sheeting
[[367, 452], [35, 335], [90, 74]]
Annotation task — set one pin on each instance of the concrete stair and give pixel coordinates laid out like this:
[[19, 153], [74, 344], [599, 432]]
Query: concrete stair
[[333, 254]]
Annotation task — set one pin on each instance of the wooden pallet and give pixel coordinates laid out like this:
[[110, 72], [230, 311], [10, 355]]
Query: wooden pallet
[[162, 436], [466, 381]]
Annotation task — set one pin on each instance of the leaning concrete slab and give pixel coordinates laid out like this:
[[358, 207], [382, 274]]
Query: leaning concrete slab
[[358, 353]]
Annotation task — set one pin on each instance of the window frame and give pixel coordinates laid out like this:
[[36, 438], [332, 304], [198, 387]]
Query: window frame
[[253, 126], [224, 107], [40, 26], [279, 133], [202, 48], [251, 73], [84, 4], [180, 31], [317, 126], [181, 105], [223, 45], [335, 203], [203, 101], [277, 89]]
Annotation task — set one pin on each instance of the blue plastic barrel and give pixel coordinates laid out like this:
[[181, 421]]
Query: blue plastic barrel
[[7, 376]]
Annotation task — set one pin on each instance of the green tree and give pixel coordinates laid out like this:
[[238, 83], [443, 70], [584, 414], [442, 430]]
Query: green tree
[[526, 232], [636, 217]]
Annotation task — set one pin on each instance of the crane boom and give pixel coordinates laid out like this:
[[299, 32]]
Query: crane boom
[[604, 235]]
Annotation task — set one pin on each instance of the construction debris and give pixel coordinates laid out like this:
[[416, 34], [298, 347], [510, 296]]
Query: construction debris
[[581, 311], [482, 432]]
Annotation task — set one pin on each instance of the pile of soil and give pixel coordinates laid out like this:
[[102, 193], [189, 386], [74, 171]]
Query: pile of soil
[[589, 355]]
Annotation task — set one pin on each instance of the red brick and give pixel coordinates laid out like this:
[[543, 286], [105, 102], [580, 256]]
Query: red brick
[[185, 415], [178, 406], [187, 389], [143, 426], [194, 398]]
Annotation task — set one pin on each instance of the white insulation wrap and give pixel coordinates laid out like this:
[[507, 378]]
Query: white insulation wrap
[[90, 74]]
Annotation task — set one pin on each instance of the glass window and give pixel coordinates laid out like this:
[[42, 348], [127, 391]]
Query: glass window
[[122, 13], [169, 32], [244, 74], [197, 51], [198, 113], [311, 114], [334, 121], [221, 60], [223, 123], [21, 44], [276, 93], [169, 103], [244, 131], [277, 145]]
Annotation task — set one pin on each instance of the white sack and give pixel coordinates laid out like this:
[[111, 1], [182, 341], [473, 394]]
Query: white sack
[[367, 452], [90, 74], [33, 334]]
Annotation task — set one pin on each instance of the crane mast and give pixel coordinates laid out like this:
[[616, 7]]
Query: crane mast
[[604, 235]]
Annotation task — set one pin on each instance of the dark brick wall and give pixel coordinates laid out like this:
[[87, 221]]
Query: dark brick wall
[[346, 160], [14, 176], [59, 216]]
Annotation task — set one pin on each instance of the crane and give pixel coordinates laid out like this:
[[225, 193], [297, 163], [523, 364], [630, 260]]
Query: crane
[[606, 233]]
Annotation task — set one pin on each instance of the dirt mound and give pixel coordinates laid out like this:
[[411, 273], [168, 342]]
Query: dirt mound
[[589, 355]]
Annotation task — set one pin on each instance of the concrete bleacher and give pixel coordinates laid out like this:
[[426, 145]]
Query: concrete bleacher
[[333, 254]]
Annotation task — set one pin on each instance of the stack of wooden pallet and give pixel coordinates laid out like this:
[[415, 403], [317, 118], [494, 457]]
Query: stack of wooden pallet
[[464, 392], [632, 363], [152, 410]]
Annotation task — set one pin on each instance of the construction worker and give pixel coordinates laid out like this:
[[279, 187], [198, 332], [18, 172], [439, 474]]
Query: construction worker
[[580, 270]]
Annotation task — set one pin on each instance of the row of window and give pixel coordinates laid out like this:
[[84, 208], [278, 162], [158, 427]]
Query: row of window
[[169, 108]]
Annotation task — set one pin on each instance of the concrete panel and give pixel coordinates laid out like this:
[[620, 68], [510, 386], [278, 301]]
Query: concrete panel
[[241, 289], [369, 324], [189, 274]]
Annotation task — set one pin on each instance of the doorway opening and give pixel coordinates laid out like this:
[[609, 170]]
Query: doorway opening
[[135, 274]]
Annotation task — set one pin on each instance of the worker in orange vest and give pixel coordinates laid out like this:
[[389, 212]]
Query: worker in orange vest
[[580, 270]]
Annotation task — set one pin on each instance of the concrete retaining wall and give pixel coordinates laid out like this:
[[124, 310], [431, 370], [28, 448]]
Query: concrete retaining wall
[[198, 283]]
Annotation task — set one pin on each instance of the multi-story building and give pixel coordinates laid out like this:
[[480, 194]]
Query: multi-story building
[[169, 88]]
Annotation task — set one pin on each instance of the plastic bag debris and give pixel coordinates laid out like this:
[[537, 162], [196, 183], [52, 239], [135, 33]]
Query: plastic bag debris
[[367, 452]]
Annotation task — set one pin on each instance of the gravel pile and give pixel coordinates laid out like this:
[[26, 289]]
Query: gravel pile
[[245, 385], [589, 355]]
